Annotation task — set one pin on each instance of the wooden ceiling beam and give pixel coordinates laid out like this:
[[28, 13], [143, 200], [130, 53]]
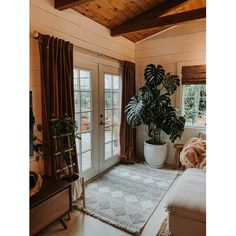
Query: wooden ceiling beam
[[150, 23], [64, 4], [153, 13]]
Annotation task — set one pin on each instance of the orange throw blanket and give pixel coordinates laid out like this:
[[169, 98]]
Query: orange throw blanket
[[193, 154]]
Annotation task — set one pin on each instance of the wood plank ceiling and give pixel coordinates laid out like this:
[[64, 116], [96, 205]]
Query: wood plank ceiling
[[137, 19]]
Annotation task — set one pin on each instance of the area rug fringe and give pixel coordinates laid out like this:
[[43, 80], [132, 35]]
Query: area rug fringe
[[106, 220], [164, 231]]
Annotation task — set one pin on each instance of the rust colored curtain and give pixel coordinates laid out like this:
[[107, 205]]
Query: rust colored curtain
[[127, 133], [56, 62]]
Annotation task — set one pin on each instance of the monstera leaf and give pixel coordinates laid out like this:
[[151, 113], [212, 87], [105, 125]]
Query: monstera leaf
[[147, 94], [154, 75], [134, 111], [171, 83], [164, 100], [177, 128]]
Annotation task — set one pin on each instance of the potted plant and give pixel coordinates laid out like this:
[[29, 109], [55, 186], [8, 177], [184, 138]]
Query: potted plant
[[152, 107]]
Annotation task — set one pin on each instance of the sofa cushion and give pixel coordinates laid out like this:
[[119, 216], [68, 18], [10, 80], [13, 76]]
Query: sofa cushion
[[188, 196]]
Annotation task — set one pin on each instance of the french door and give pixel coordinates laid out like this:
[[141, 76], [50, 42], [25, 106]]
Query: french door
[[110, 103], [97, 91]]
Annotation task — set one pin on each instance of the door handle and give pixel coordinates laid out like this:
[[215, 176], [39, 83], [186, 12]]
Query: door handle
[[102, 123]]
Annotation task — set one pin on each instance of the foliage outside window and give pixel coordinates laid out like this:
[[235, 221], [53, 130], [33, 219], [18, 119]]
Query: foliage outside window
[[194, 104]]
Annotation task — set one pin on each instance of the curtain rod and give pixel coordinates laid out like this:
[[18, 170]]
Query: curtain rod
[[81, 49]]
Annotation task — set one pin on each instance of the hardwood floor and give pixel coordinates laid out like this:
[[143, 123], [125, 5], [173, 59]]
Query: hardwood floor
[[81, 224]]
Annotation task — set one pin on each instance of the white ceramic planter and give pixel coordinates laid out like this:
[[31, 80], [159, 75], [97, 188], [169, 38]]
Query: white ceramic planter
[[155, 155]]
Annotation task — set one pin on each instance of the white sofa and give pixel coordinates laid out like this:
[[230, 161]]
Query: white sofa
[[186, 204]]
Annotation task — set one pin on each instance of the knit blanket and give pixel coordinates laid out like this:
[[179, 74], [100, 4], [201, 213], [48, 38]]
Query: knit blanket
[[193, 154]]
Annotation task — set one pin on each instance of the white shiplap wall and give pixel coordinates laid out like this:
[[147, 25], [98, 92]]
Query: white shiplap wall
[[185, 43], [77, 29]]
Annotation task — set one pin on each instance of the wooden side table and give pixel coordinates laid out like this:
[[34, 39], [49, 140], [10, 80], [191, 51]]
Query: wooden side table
[[176, 162], [50, 204]]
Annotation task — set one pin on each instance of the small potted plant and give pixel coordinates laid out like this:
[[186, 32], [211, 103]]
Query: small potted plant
[[152, 107]]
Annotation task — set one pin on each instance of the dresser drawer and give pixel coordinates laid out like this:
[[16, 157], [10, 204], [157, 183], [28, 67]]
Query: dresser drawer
[[49, 210]]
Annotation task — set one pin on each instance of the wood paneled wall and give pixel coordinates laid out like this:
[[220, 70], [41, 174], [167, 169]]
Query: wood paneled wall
[[183, 43], [80, 31]]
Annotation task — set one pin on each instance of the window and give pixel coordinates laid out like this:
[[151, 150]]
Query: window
[[194, 95], [194, 104]]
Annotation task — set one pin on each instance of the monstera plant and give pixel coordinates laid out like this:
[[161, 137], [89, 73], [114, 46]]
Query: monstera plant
[[152, 106]]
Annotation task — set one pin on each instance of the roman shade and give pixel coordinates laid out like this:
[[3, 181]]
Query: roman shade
[[194, 74]]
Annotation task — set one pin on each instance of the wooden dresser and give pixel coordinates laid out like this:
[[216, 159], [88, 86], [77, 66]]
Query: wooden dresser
[[50, 204]]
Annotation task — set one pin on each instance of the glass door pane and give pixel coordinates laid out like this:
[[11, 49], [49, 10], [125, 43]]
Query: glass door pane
[[112, 114], [84, 116], [110, 95]]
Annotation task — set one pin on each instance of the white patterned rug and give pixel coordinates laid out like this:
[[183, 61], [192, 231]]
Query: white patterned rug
[[127, 195]]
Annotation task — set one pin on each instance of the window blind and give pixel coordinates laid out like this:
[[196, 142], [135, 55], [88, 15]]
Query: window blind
[[194, 74]]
